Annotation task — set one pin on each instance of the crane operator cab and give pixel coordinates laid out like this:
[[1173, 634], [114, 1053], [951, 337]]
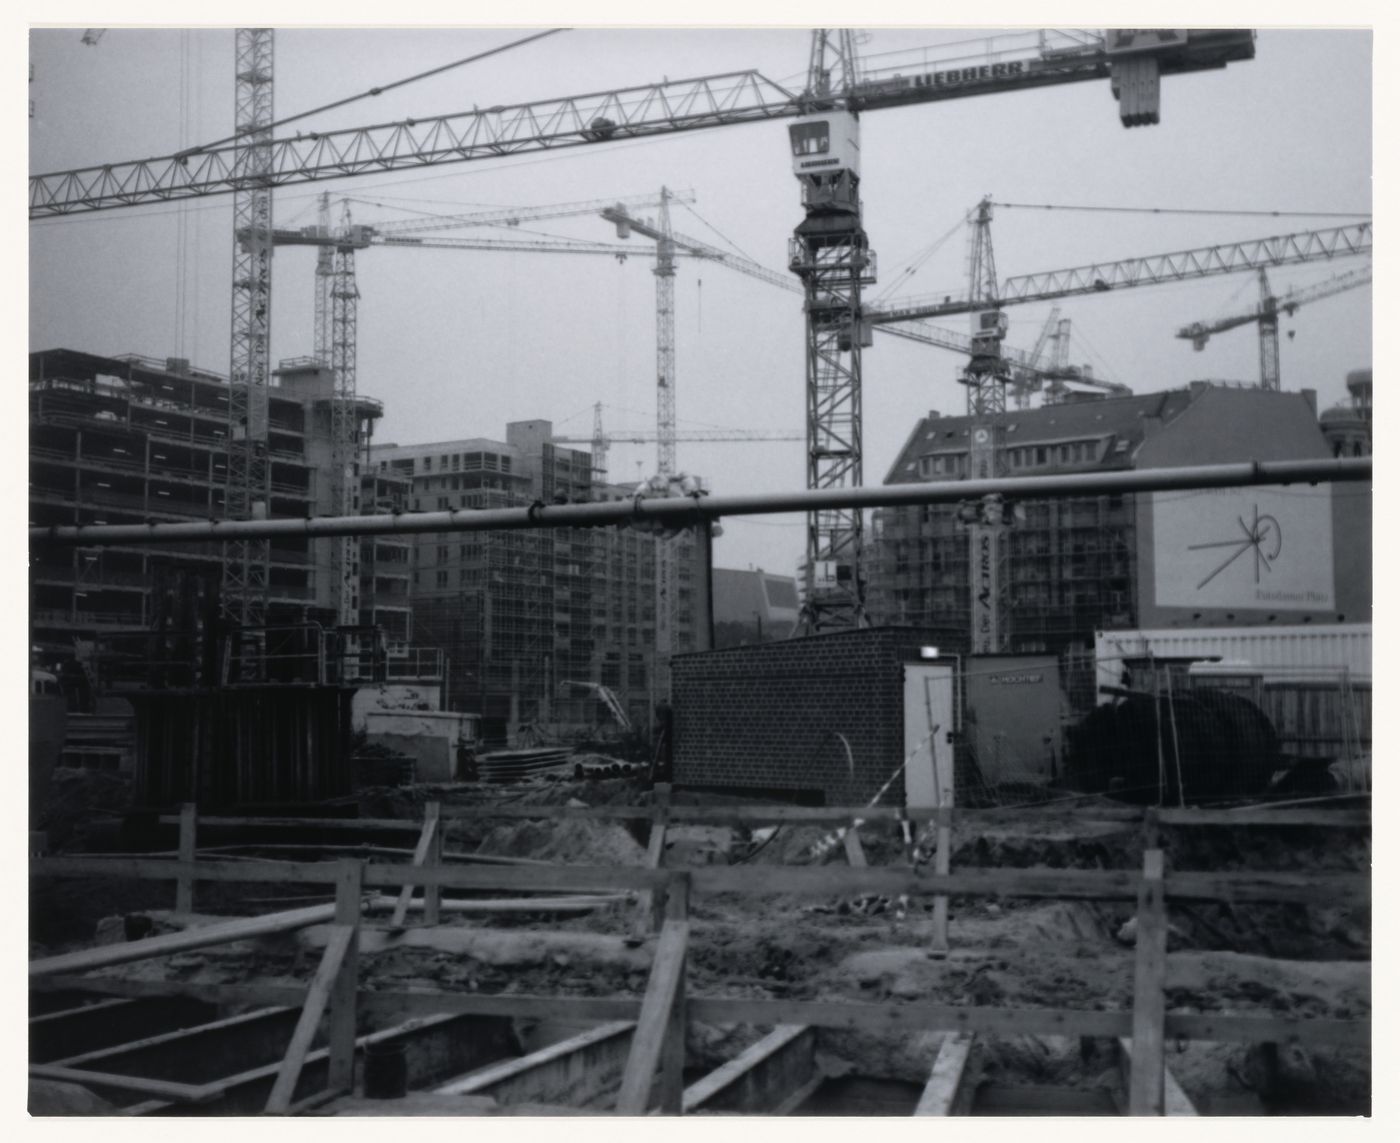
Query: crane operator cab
[[825, 143], [826, 161]]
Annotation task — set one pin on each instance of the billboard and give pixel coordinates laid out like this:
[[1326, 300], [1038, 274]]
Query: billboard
[[1265, 547]]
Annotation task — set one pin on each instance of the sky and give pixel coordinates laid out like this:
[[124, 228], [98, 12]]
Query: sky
[[458, 343]]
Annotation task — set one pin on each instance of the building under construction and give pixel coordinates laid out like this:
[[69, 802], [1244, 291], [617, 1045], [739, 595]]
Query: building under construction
[[1071, 567], [524, 617], [131, 440]]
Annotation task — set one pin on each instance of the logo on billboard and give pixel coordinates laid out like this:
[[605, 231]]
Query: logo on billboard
[[1244, 548], [1262, 540]]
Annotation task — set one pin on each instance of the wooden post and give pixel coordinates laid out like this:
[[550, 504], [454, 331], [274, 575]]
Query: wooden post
[[184, 881], [1146, 1083], [942, 862], [855, 853], [427, 852], [432, 894], [655, 1040], [673, 1046], [651, 905], [341, 1071], [279, 1102]]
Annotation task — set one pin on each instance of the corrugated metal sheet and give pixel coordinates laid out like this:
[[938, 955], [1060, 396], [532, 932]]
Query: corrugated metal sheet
[[242, 746], [1277, 652]]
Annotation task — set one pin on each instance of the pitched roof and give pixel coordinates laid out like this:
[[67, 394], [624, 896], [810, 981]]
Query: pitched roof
[[1121, 417]]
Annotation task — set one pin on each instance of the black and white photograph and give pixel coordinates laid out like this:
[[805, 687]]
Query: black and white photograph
[[580, 565]]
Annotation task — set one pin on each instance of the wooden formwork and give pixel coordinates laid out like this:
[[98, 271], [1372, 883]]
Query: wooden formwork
[[652, 1076]]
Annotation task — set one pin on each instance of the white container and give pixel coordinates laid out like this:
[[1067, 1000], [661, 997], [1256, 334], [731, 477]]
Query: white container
[[1281, 653]]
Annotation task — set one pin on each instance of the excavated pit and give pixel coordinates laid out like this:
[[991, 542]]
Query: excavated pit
[[1293, 960]]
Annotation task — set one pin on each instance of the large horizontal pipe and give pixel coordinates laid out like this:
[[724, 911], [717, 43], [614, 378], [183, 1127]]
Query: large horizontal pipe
[[682, 511]]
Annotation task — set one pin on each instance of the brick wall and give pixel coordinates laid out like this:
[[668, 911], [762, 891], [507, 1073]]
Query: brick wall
[[767, 716]]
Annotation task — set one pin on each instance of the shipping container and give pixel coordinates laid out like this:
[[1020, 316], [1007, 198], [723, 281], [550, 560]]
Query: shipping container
[[1282, 653]]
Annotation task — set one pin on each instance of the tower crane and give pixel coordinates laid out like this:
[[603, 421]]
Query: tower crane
[[1266, 317], [829, 251], [249, 475]]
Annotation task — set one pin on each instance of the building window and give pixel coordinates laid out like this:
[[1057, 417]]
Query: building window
[[427, 464]]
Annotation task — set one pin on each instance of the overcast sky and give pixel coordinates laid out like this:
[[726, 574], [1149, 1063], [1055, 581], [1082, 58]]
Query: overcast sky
[[458, 343]]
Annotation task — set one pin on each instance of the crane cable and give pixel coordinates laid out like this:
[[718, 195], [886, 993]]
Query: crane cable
[[385, 87], [1185, 210], [919, 259]]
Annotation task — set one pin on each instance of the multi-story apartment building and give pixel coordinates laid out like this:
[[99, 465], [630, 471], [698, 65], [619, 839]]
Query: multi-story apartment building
[[525, 615], [132, 440], [1074, 566]]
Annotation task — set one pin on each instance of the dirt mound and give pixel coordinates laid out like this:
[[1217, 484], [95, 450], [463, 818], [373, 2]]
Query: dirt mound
[[570, 842]]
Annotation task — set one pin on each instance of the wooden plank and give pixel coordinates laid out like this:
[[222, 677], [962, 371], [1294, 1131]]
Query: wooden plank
[[529, 879], [432, 894], [1146, 1086], [576, 1009], [1299, 888], [649, 904], [759, 880], [945, 1078], [942, 861], [338, 825], [796, 1099], [894, 1017], [1265, 816], [855, 852], [561, 813], [834, 881], [341, 1031], [657, 1013], [579, 903], [449, 1106], [177, 1041], [317, 996], [816, 815], [154, 868], [420, 855], [672, 1093], [734, 1071], [1174, 1100], [139, 1085], [217, 934], [496, 1074], [1239, 1028], [184, 883]]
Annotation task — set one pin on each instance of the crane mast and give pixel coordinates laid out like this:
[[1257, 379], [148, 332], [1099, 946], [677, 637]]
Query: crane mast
[[831, 256], [248, 487], [985, 378], [345, 429]]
